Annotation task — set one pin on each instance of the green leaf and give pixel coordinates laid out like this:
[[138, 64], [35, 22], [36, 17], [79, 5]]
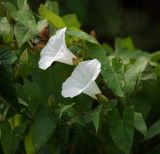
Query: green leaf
[[64, 108], [30, 93], [7, 90], [157, 70], [10, 138], [96, 117], [107, 48], [22, 5], [24, 57], [52, 79], [24, 64], [23, 33], [23, 16], [7, 58], [124, 44], [155, 56], [52, 6], [26, 27], [28, 142], [125, 50], [71, 20], [127, 56], [119, 81], [43, 128], [139, 123], [133, 74], [74, 32], [6, 30], [122, 129], [11, 9], [6, 138], [112, 70], [26, 18], [153, 130], [117, 84], [52, 18]]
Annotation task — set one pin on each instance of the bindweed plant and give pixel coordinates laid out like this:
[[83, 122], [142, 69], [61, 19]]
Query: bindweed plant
[[62, 92]]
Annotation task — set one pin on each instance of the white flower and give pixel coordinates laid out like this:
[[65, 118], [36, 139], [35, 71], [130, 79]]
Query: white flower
[[56, 50], [82, 80]]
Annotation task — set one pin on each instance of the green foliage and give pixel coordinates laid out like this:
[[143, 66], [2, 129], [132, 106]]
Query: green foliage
[[10, 138], [71, 20], [5, 30], [74, 32], [153, 130], [43, 128], [139, 123], [25, 27], [123, 119], [96, 117], [122, 129], [53, 18], [7, 58]]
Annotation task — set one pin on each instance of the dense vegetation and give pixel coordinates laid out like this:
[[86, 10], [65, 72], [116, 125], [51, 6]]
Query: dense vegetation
[[36, 119]]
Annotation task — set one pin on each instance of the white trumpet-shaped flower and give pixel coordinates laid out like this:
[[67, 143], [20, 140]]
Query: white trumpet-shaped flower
[[56, 50], [82, 80]]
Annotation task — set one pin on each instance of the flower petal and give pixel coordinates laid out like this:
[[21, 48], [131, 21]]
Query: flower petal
[[65, 56], [82, 80], [71, 88], [87, 71], [92, 90], [56, 50]]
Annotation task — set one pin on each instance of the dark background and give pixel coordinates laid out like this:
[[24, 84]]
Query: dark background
[[139, 19]]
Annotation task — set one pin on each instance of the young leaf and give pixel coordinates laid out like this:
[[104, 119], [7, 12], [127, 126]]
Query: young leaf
[[28, 143], [52, 18], [139, 123], [64, 108], [96, 117], [122, 129], [71, 20], [52, 6]]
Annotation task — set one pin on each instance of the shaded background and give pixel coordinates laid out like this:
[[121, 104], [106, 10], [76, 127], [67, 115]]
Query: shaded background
[[139, 19]]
